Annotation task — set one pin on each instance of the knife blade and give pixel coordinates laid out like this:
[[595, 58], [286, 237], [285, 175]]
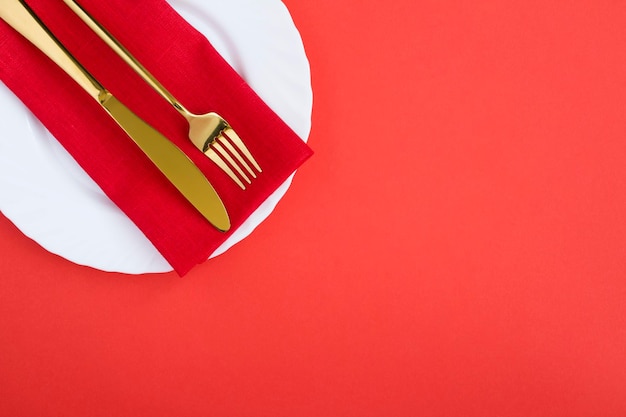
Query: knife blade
[[167, 157]]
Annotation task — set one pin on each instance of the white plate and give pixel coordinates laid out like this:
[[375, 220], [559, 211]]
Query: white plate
[[51, 200]]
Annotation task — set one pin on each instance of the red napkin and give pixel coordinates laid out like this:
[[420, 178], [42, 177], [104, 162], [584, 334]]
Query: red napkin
[[186, 63]]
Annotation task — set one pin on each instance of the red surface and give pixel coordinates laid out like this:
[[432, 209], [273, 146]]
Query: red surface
[[455, 247]]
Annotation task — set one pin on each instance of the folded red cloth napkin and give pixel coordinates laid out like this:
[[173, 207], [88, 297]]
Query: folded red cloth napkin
[[186, 63]]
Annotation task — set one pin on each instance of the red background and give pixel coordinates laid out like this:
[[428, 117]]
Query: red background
[[455, 247]]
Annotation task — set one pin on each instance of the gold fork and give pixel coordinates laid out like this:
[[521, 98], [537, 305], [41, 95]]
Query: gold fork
[[209, 132]]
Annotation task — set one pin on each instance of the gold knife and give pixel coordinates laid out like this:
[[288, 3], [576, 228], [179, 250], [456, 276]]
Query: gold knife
[[168, 158]]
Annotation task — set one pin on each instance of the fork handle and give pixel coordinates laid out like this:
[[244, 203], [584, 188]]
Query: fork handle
[[123, 53]]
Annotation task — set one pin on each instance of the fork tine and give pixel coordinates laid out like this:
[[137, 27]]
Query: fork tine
[[232, 135], [217, 144], [213, 156], [225, 142]]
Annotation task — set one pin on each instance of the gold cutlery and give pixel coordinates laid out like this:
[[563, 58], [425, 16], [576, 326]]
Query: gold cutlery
[[168, 158], [209, 132]]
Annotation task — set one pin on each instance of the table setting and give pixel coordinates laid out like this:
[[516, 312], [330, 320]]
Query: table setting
[[453, 246], [174, 196]]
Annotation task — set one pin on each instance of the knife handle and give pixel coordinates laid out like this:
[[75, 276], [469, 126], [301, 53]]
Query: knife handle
[[24, 20]]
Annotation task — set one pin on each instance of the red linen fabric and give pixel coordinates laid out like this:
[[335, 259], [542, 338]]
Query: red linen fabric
[[186, 63]]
